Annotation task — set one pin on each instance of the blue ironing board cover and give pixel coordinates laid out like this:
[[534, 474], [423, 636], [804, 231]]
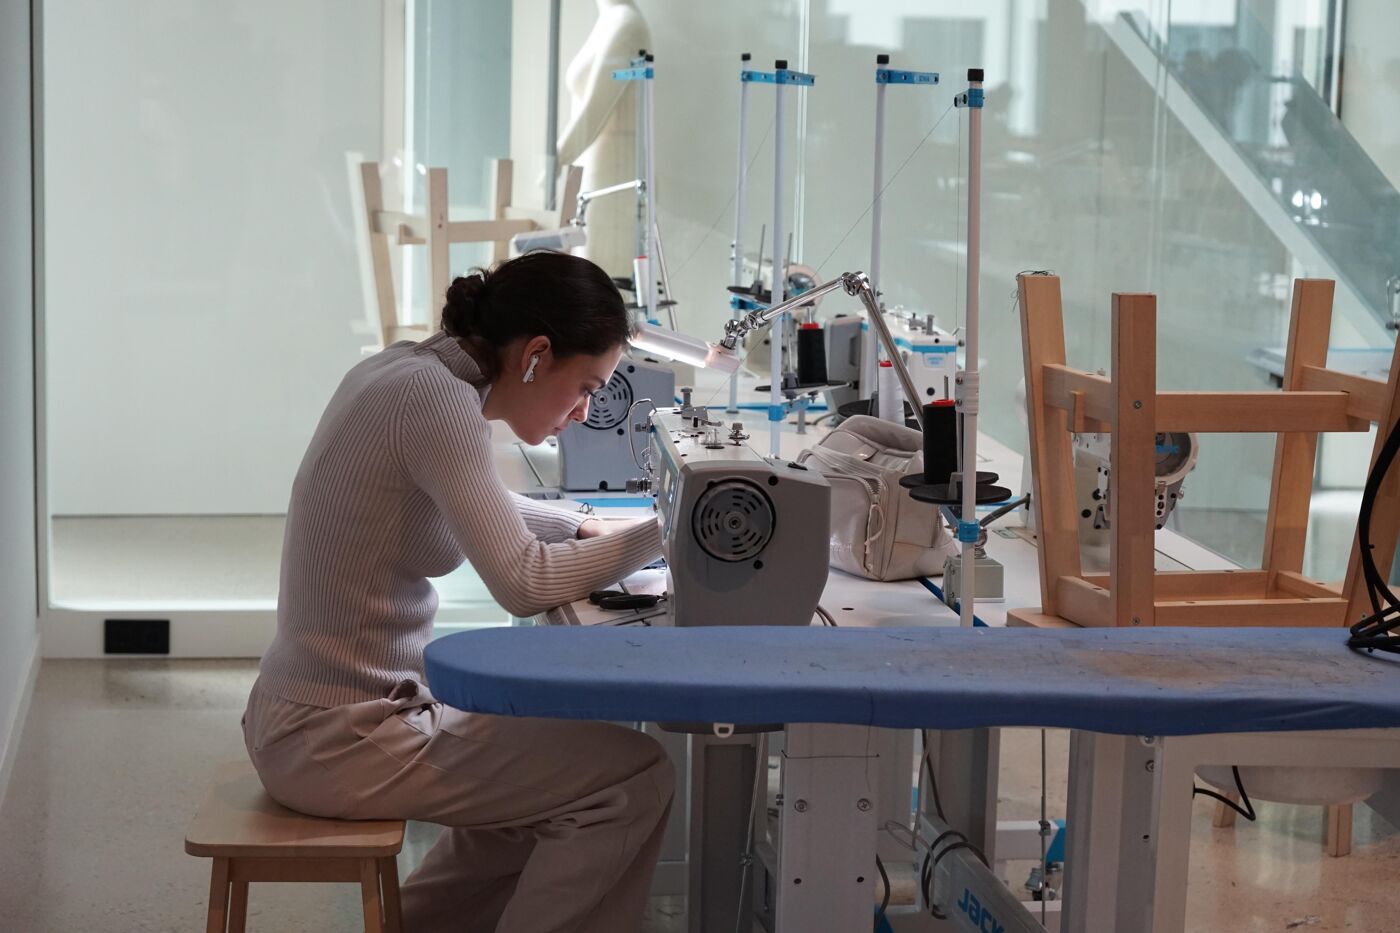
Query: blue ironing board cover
[[1168, 681]]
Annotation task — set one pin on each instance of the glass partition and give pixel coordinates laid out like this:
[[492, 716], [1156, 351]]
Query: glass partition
[[200, 275], [199, 285], [1108, 161]]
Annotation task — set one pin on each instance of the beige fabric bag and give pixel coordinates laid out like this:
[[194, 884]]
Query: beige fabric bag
[[877, 530]]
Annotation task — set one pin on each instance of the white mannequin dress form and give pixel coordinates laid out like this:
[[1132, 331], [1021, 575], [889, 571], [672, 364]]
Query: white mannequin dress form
[[602, 133]]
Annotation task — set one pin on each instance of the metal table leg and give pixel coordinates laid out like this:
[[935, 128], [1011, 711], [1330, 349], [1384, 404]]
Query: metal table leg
[[825, 876]]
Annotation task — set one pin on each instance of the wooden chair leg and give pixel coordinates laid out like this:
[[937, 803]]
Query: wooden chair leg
[[389, 882], [218, 897], [1339, 830], [369, 896], [1224, 816], [238, 908]]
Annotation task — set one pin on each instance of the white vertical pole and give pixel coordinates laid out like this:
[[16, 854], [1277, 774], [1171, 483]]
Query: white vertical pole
[[966, 582], [551, 124], [870, 346], [779, 277], [740, 193], [649, 106], [639, 236]]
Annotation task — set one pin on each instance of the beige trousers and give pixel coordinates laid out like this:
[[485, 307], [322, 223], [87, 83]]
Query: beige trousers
[[552, 825]]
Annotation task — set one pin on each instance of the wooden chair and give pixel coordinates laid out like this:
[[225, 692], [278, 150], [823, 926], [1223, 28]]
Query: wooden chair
[[385, 228], [1061, 400], [252, 838]]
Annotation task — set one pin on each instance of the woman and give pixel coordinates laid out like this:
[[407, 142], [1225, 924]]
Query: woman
[[551, 825]]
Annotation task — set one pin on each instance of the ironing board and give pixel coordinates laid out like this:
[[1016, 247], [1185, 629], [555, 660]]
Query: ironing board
[[1146, 708]]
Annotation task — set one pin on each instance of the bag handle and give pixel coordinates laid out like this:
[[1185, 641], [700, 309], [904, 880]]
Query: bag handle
[[846, 463]]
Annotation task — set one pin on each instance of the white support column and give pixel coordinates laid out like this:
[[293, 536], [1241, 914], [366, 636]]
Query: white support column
[[779, 277], [968, 380], [741, 191], [1110, 843], [826, 875], [870, 346], [1093, 831], [897, 768], [1170, 832], [649, 110]]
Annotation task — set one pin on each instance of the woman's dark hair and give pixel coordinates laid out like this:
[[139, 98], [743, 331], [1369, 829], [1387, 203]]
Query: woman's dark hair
[[565, 298]]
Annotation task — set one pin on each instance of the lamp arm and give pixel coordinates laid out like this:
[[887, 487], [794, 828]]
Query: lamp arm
[[855, 284], [585, 197]]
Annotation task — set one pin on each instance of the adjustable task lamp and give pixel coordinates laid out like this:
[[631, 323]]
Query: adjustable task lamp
[[724, 355]]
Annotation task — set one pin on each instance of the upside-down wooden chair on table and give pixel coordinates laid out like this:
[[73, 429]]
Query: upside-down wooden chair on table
[[1126, 404]]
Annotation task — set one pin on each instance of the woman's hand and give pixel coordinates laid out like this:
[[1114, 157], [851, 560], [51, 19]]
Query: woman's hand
[[597, 527]]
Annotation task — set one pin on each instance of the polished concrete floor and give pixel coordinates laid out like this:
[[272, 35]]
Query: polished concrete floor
[[115, 755]]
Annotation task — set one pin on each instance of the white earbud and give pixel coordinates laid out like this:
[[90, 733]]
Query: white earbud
[[530, 371]]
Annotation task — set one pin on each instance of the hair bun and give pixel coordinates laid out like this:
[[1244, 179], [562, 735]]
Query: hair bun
[[465, 304]]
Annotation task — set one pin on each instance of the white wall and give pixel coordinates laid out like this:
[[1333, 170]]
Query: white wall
[[19, 608], [200, 271]]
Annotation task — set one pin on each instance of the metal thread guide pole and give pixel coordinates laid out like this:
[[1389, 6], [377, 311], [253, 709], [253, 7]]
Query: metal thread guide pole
[[884, 76], [777, 411], [639, 170], [551, 127], [740, 193], [649, 111], [643, 274], [967, 385]]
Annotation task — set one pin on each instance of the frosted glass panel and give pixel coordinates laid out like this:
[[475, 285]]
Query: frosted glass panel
[[1099, 166], [697, 48], [200, 280]]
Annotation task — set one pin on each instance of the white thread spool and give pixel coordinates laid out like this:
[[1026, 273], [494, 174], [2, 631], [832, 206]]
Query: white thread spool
[[891, 396]]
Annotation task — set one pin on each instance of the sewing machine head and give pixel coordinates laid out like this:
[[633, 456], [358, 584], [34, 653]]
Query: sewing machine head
[[745, 536], [1093, 472], [603, 452]]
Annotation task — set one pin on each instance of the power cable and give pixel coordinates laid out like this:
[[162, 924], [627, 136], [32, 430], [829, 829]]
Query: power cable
[[1246, 811]]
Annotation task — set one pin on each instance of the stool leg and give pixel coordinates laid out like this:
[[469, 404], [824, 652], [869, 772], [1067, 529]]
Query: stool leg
[[1339, 830], [218, 897], [238, 908], [369, 895], [389, 881], [1224, 816]]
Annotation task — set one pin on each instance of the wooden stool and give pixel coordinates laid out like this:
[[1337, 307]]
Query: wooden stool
[[251, 837], [1337, 840]]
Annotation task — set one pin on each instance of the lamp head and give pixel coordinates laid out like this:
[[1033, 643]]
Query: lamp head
[[684, 348]]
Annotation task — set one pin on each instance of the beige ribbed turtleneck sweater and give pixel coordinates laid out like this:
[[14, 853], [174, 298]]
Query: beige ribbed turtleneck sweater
[[399, 485]]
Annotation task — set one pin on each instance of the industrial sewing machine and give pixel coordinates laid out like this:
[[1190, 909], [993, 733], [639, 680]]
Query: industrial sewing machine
[[602, 453], [1093, 475], [930, 352], [745, 536]]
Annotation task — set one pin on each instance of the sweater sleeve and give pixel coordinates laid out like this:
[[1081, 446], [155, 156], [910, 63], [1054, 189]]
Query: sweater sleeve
[[445, 449], [546, 522]]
